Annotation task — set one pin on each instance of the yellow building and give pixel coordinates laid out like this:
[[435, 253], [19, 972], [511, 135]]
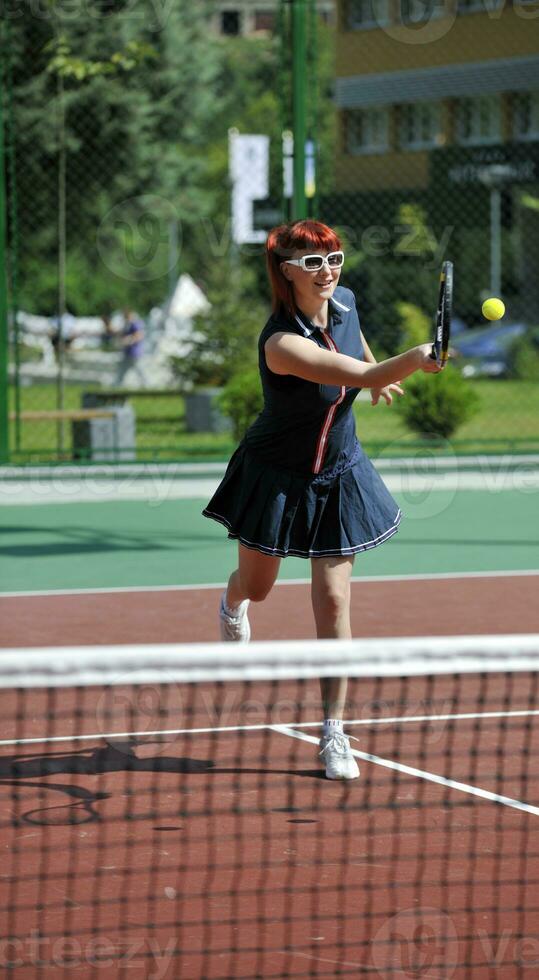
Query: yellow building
[[438, 108], [418, 77]]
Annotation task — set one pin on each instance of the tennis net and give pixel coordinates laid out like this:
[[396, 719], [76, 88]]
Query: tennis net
[[164, 811]]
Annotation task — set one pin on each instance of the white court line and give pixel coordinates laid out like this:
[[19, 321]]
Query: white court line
[[68, 470], [197, 587], [419, 773], [162, 732], [325, 959], [156, 492]]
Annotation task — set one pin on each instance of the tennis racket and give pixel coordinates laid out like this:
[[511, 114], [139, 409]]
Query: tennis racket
[[442, 333]]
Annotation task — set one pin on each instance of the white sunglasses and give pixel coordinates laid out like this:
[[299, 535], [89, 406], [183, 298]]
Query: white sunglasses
[[312, 263]]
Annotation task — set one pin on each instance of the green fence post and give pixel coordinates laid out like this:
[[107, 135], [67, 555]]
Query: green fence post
[[299, 104], [4, 336], [312, 107]]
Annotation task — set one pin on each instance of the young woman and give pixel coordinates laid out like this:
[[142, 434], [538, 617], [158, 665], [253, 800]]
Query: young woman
[[299, 482]]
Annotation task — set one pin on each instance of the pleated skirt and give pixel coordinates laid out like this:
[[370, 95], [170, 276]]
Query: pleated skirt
[[340, 511]]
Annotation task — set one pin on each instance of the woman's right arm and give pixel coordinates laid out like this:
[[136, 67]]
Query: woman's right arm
[[289, 354]]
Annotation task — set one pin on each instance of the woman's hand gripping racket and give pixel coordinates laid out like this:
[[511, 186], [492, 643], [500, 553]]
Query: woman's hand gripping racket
[[440, 347]]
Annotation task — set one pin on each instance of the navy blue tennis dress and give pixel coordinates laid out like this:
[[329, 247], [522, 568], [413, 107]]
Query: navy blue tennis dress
[[299, 483]]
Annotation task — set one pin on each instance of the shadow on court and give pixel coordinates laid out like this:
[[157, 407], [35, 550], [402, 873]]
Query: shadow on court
[[79, 541], [16, 771]]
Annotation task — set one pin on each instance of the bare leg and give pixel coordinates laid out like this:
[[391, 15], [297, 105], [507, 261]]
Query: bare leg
[[141, 374], [123, 368], [330, 595], [254, 577]]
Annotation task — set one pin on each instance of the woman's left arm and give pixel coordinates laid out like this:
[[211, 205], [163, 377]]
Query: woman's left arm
[[387, 392]]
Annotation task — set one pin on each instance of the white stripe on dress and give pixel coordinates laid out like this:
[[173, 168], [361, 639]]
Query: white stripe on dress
[[341, 305]]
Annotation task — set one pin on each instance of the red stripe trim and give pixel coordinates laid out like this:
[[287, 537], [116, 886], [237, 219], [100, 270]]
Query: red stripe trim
[[321, 445]]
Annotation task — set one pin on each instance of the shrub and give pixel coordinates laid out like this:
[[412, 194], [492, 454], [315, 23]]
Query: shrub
[[523, 357], [226, 335], [241, 400], [221, 339], [438, 405]]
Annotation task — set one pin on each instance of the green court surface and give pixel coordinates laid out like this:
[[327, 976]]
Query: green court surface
[[61, 546]]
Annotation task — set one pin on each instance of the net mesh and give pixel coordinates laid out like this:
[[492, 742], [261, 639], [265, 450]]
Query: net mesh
[[165, 811]]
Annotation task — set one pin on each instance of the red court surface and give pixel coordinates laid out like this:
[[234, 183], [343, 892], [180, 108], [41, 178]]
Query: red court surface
[[408, 607], [227, 854]]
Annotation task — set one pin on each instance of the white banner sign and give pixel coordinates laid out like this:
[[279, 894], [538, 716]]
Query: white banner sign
[[249, 174]]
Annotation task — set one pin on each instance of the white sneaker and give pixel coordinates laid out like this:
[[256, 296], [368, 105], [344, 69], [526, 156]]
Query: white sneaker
[[337, 755], [235, 629]]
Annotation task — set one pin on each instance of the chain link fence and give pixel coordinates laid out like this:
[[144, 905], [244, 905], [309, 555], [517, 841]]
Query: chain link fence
[[134, 256], [105, 171], [437, 157]]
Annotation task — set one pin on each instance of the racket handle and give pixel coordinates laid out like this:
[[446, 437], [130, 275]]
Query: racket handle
[[432, 354]]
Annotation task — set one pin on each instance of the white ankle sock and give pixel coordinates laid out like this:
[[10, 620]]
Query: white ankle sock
[[332, 726]]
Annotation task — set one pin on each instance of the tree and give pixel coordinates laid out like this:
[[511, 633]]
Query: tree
[[130, 106], [224, 340], [141, 111], [407, 274]]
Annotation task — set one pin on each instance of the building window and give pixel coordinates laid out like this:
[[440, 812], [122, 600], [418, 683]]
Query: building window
[[367, 130], [479, 120], [420, 125], [231, 22], [264, 20], [417, 11], [526, 116], [366, 13]]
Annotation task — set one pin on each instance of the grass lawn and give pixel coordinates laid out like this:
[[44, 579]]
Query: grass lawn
[[161, 431], [508, 420]]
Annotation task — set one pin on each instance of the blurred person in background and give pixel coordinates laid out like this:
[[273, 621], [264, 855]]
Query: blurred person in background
[[63, 333], [132, 343]]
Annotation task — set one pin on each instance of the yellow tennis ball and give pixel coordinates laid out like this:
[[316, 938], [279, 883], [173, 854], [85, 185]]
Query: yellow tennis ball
[[493, 309]]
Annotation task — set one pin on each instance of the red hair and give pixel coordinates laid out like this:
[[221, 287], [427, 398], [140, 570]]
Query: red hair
[[281, 244]]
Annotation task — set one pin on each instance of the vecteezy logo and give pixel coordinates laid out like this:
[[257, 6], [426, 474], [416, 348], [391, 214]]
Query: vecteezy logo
[[421, 21], [138, 239], [131, 714], [416, 944], [427, 484]]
